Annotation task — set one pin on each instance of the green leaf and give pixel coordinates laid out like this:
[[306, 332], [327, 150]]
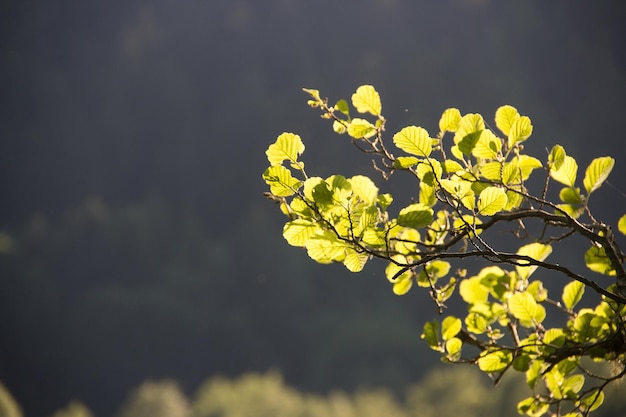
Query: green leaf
[[416, 216], [494, 361], [326, 248], [505, 117], [450, 120], [431, 334], [339, 127], [533, 373], [523, 307], [342, 106], [556, 157], [473, 291], [450, 327], [453, 347], [404, 162], [491, 200], [287, 147], [281, 183], [467, 144], [597, 172], [555, 337], [470, 123], [536, 251], [367, 100], [364, 188], [413, 140], [361, 128], [297, 232], [476, 323], [532, 407], [621, 225], [572, 294], [355, 261], [592, 400], [521, 129], [572, 385], [597, 260], [571, 195], [566, 174], [488, 145]]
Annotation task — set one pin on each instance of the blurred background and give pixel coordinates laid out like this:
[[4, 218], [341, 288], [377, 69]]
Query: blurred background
[[135, 242]]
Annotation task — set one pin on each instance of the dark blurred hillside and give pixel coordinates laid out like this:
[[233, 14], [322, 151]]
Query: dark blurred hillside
[[132, 139]]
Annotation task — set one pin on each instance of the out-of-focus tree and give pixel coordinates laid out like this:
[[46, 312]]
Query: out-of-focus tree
[[156, 399], [74, 409], [8, 405]]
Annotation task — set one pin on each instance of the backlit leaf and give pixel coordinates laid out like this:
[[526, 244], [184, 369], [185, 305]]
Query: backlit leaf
[[556, 157], [521, 129], [450, 120], [413, 140], [621, 225], [367, 100], [287, 147], [355, 261], [470, 123], [416, 216], [342, 106], [404, 162], [566, 174], [364, 188], [281, 183], [491, 200], [297, 232], [402, 286], [453, 347], [597, 260], [494, 361], [326, 248], [536, 251], [488, 145], [450, 327], [597, 172], [523, 307], [505, 117], [473, 291], [361, 128], [431, 334], [572, 294]]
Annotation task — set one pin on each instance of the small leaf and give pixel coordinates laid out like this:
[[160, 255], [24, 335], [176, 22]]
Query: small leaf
[[361, 128], [342, 106], [297, 232], [505, 117], [281, 183], [450, 120], [431, 334], [450, 327], [355, 261], [566, 174], [416, 216], [597, 172], [404, 162], [494, 361], [521, 129], [621, 225], [453, 347], [364, 188], [556, 158], [326, 248], [367, 100], [488, 145], [592, 400], [470, 123], [597, 260], [523, 307], [572, 294], [491, 200], [473, 291], [287, 147], [413, 140], [536, 251]]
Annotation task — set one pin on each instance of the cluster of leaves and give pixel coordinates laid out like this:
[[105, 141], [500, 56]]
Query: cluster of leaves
[[474, 185]]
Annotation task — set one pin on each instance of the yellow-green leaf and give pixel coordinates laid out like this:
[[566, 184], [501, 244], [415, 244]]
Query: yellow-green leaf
[[450, 120], [494, 361], [364, 188], [491, 200], [402, 286], [597, 172], [505, 117], [367, 100], [566, 174], [473, 291], [488, 145], [522, 306], [450, 327], [621, 225], [470, 123], [416, 216], [287, 147], [414, 140], [297, 232], [404, 162], [431, 334], [521, 129], [572, 294], [326, 248], [281, 183], [556, 157], [355, 261], [453, 347], [361, 128], [597, 260], [536, 251]]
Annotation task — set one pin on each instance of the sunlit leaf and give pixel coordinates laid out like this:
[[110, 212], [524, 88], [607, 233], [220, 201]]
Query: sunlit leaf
[[494, 361], [597, 260], [367, 100], [453, 347], [592, 400], [491, 200], [521, 129], [402, 286], [342, 106], [597, 172], [450, 120], [364, 188], [621, 225], [326, 248], [523, 307], [556, 157], [431, 334], [566, 174], [470, 123], [416, 216], [281, 183], [287, 147], [468, 142], [450, 166], [355, 261], [450, 327], [572, 385], [473, 291], [536, 251], [413, 140], [555, 337], [476, 323], [404, 162], [339, 127], [505, 117], [572, 294], [297, 232], [361, 128]]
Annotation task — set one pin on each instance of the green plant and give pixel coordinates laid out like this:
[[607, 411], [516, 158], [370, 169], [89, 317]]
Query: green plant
[[471, 187]]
